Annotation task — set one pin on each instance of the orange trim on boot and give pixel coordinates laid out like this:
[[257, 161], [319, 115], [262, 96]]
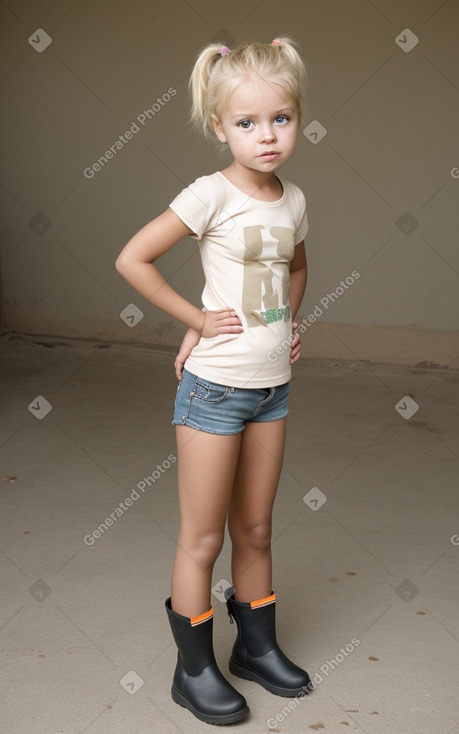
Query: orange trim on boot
[[202, 617], [263, 602]]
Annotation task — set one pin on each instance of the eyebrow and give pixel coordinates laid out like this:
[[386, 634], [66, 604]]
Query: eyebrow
[[251, 114]]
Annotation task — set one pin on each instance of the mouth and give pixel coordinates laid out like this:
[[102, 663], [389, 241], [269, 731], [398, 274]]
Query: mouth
[[269, 155]]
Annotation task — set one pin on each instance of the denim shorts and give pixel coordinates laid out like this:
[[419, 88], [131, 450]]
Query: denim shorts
[[215, 408]]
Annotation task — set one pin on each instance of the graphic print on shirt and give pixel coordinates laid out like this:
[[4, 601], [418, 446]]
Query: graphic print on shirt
[[265, 289]]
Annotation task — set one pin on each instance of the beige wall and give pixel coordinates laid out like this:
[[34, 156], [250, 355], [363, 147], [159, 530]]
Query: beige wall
[[392, 120]]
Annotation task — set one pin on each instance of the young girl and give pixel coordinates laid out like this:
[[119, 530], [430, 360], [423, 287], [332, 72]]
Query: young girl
[[234, 364]]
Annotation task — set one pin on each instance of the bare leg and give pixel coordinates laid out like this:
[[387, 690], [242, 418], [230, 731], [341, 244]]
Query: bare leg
[[255, 486], [206, 470]]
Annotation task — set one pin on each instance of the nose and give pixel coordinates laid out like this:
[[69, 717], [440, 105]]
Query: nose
[[267, 134]]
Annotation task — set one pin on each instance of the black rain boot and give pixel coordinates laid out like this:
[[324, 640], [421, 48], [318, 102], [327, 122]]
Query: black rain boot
[[198, 683], [256, 654]]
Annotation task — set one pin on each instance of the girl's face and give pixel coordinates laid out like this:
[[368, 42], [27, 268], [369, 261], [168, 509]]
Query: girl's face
[[260, 124]]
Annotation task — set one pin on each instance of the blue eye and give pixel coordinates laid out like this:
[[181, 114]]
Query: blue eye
[[245, 124], [281, 119]]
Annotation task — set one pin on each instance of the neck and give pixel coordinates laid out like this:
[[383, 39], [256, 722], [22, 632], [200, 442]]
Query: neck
[[252, 181]]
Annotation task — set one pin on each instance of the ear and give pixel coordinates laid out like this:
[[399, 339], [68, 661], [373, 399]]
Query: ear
[[218, 129]]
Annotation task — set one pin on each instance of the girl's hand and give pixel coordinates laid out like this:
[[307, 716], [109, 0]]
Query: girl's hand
[[189, 341], [223, 321], [295, 346]]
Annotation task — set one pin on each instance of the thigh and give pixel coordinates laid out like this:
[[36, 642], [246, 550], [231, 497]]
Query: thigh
[[257, 474], [206, 470]]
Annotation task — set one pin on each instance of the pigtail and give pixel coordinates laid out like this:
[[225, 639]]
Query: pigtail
[[199, 86], [287, 50]]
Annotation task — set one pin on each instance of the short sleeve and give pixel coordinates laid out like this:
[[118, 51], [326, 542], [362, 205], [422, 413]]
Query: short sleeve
[[197, 205], [303, 225]]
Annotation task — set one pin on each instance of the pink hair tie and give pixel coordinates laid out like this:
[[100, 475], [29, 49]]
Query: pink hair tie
[[224, 50], [277, 42]]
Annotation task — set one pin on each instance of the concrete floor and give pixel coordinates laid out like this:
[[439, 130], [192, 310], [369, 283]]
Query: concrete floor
[[85, 641]]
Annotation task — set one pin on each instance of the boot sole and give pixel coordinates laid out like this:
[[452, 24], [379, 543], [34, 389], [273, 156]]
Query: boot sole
[[208, 718], [248, 674]]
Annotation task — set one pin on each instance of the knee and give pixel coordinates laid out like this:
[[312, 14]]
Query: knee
[[203, 548], [254, 537]]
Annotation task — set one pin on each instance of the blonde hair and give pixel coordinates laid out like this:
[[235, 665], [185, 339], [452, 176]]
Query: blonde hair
[[218, 71]]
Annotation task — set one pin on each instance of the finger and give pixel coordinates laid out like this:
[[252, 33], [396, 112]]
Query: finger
[[295, 349], [229, 321], [220, 312], [229, 324], [226, 313], [178, 369], [230, 318], [230, 330], [295, 356]]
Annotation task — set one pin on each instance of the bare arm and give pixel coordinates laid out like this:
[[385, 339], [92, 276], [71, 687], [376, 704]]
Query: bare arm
[[135, 264], [189, 341], [298, 279]]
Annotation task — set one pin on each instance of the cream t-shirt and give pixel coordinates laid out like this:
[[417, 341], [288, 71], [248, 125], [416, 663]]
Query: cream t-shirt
[[246, 246]]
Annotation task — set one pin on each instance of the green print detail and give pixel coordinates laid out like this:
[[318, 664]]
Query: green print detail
[[261, 303], [276, 314]]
